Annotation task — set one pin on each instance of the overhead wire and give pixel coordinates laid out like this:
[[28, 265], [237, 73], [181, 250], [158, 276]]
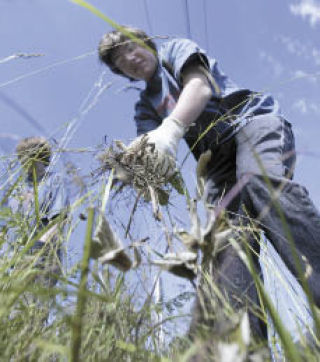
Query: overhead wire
[[88, 103], [206, 37], [10, 102], [72, 126], [146, 10], [46, 68], [188, 28]]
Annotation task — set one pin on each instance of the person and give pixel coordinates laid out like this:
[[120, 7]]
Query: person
[[250, 173], [37, 197]]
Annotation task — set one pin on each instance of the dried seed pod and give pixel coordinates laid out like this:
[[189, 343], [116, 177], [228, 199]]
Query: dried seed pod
[[118, 258], [202, 170], [189, 240], [107, 247], [180, 264]]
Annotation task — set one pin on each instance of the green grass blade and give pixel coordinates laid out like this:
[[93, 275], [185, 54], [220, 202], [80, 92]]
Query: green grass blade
[[111, 22], [81, 299], [36, 194]]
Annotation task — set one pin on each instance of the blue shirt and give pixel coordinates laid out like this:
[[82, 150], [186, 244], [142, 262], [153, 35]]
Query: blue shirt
[[229, 108]]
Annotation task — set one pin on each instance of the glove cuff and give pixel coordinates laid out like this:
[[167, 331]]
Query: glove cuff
[[177, 128]]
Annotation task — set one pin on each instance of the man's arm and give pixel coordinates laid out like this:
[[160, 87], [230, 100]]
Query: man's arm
[[192, 101], [195, 95]]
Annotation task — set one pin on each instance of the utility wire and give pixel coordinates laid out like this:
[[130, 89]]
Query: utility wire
[[46, 68], [204, 5], [31, 121], [148, 16], [22, 112], [7, 142], [187, 19]]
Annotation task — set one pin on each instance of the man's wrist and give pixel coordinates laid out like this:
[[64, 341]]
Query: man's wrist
[[175, 120], [175, 125]]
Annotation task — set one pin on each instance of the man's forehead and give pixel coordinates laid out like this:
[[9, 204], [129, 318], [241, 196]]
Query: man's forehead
[[124, 47], [116, 52]]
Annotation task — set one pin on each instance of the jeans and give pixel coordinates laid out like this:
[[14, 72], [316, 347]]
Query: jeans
[[287, 297], [251, 176]]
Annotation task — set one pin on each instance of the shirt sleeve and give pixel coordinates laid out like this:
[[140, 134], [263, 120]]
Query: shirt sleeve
[[178, 52], [145, 117]]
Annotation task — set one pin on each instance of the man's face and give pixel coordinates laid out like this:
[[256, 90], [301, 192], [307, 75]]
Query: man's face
[[135, 61]]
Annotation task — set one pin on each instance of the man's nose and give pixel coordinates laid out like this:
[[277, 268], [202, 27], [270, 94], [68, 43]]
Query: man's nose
[[130, 56]]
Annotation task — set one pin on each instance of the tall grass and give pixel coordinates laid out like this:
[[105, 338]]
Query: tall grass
[[94, 314]]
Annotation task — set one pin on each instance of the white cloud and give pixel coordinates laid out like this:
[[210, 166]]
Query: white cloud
[[315, 108], [300, 105], [312, 78], [277, 67], [306, 50], [309, 9], [316, 55], [293, 46], [304, 106]]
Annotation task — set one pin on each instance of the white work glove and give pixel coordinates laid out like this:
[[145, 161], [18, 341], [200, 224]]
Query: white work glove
[[167, 136], [163, 143]]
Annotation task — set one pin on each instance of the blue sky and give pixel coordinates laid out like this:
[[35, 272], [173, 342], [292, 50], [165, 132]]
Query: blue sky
[[263, 45]]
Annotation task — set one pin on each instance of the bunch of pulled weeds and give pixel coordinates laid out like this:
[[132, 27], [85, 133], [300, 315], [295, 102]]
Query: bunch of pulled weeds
[[139, 165]]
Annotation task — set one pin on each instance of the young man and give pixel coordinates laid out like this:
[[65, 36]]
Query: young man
[[253, 157], [38, 197]]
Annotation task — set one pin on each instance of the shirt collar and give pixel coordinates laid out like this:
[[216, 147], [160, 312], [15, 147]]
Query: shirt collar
[[154, 84]]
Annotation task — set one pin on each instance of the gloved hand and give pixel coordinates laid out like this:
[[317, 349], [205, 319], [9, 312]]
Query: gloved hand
[[162, 145], [150, 160], [167, 136]]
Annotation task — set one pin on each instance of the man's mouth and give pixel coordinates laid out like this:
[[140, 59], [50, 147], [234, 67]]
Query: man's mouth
[[137, 66]]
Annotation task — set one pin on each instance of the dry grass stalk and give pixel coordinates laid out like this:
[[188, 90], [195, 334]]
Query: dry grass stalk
[[142, 167]]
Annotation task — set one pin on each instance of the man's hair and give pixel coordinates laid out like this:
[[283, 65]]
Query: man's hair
[[34, 148], [113, 39]]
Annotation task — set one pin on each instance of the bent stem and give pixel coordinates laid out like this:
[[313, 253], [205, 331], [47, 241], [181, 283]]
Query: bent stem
[[82, 296]]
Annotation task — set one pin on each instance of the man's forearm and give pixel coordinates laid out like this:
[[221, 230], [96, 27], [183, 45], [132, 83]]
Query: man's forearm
[[193, 99]]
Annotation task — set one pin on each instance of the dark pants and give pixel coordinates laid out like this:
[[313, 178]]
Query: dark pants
[[254, 172]]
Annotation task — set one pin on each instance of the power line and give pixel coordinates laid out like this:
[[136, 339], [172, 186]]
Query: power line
[[48, 67], [148, 16], [22, 112], [204, 5], [187, 19]]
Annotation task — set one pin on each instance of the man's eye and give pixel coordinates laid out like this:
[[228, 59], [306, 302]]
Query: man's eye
[[118, 60], [130, 47]]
